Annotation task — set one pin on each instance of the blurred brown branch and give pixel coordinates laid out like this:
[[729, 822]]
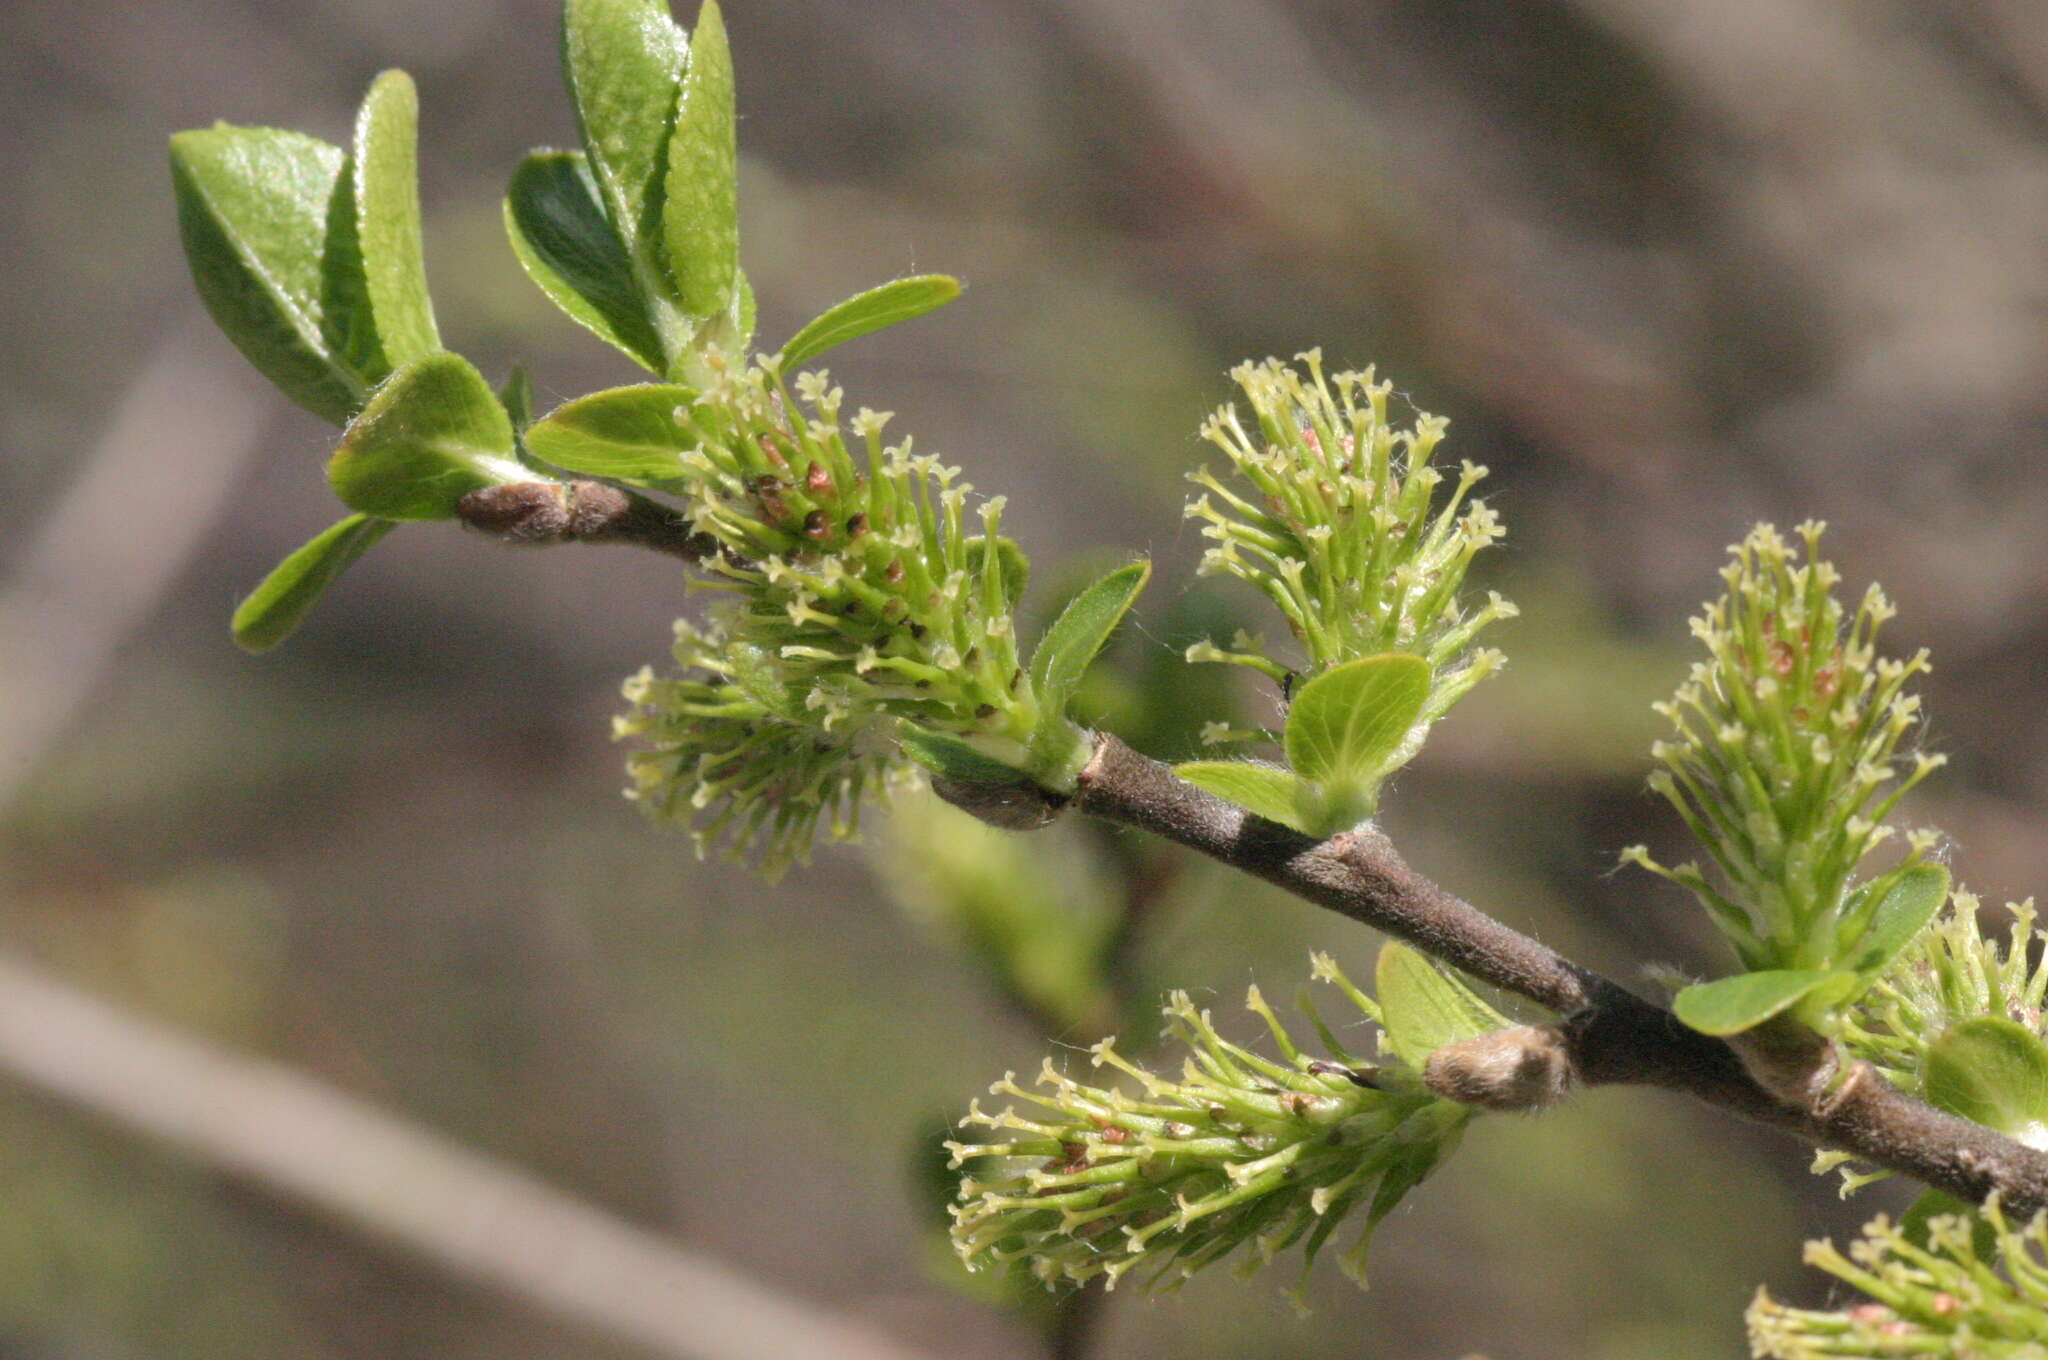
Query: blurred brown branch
[[159, 477], [468, 1214]]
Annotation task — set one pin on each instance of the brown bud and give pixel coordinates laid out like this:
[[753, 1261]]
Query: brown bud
[[817, 481], [595, 509], [520, 512], [1524, 1069], [817, 525]]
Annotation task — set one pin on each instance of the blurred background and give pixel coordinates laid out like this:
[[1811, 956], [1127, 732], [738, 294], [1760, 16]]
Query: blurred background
[[1668, 267]]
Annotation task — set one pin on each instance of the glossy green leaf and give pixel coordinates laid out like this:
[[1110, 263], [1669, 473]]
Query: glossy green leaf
[[1731, 1005], [1994, 1071], [1079, 633], [951, 758], [568, 248], [1425, 1005], [1267, 790], [701, 213], [349, 318], [1348, 723], [268, 223], [277, 606], [623, 60], [1901, 914], [626, 433], [388, 218], [903, 300], [432, 434]]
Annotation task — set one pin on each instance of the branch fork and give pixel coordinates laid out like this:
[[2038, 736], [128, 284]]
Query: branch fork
[[1606, 1034]]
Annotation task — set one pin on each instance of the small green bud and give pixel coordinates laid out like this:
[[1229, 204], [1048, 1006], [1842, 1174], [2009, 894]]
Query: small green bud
[[1334, 516], [1786, 760]]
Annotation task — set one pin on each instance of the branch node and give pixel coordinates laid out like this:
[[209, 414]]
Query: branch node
[[1521, 1070]]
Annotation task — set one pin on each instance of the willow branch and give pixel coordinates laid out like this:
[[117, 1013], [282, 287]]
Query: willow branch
[[581, 512], [1613, 1036]]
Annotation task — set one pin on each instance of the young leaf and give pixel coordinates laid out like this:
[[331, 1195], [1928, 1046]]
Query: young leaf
[[627, 433], [256, 209], [1731, 1005], [516, 396], [1900, 915], [277, 606], [1348, 723], [1064, 653], [701, 214], [623, 60], [428, 437], [951, 758], [903, 300], [1994, 1071], [568, 248], [1272, 793], [1426, 1005], [388, 218]]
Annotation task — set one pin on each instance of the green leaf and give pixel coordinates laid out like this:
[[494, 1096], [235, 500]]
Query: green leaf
[[516, 396], [1267, 790], [1426, 1006], [1010, 560], [623, 61], [759, 674], [701, 214], [1916, 1222], [277, 606], [1994, 1071], [432, 434], [1731, 1005], [268, 223], [951, 758], [569, 249], [1070, 645], [903, 300], [1905, 909], [1409, 1167], [745, 313], [626, 433], [1346, 725], [388, 218]]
